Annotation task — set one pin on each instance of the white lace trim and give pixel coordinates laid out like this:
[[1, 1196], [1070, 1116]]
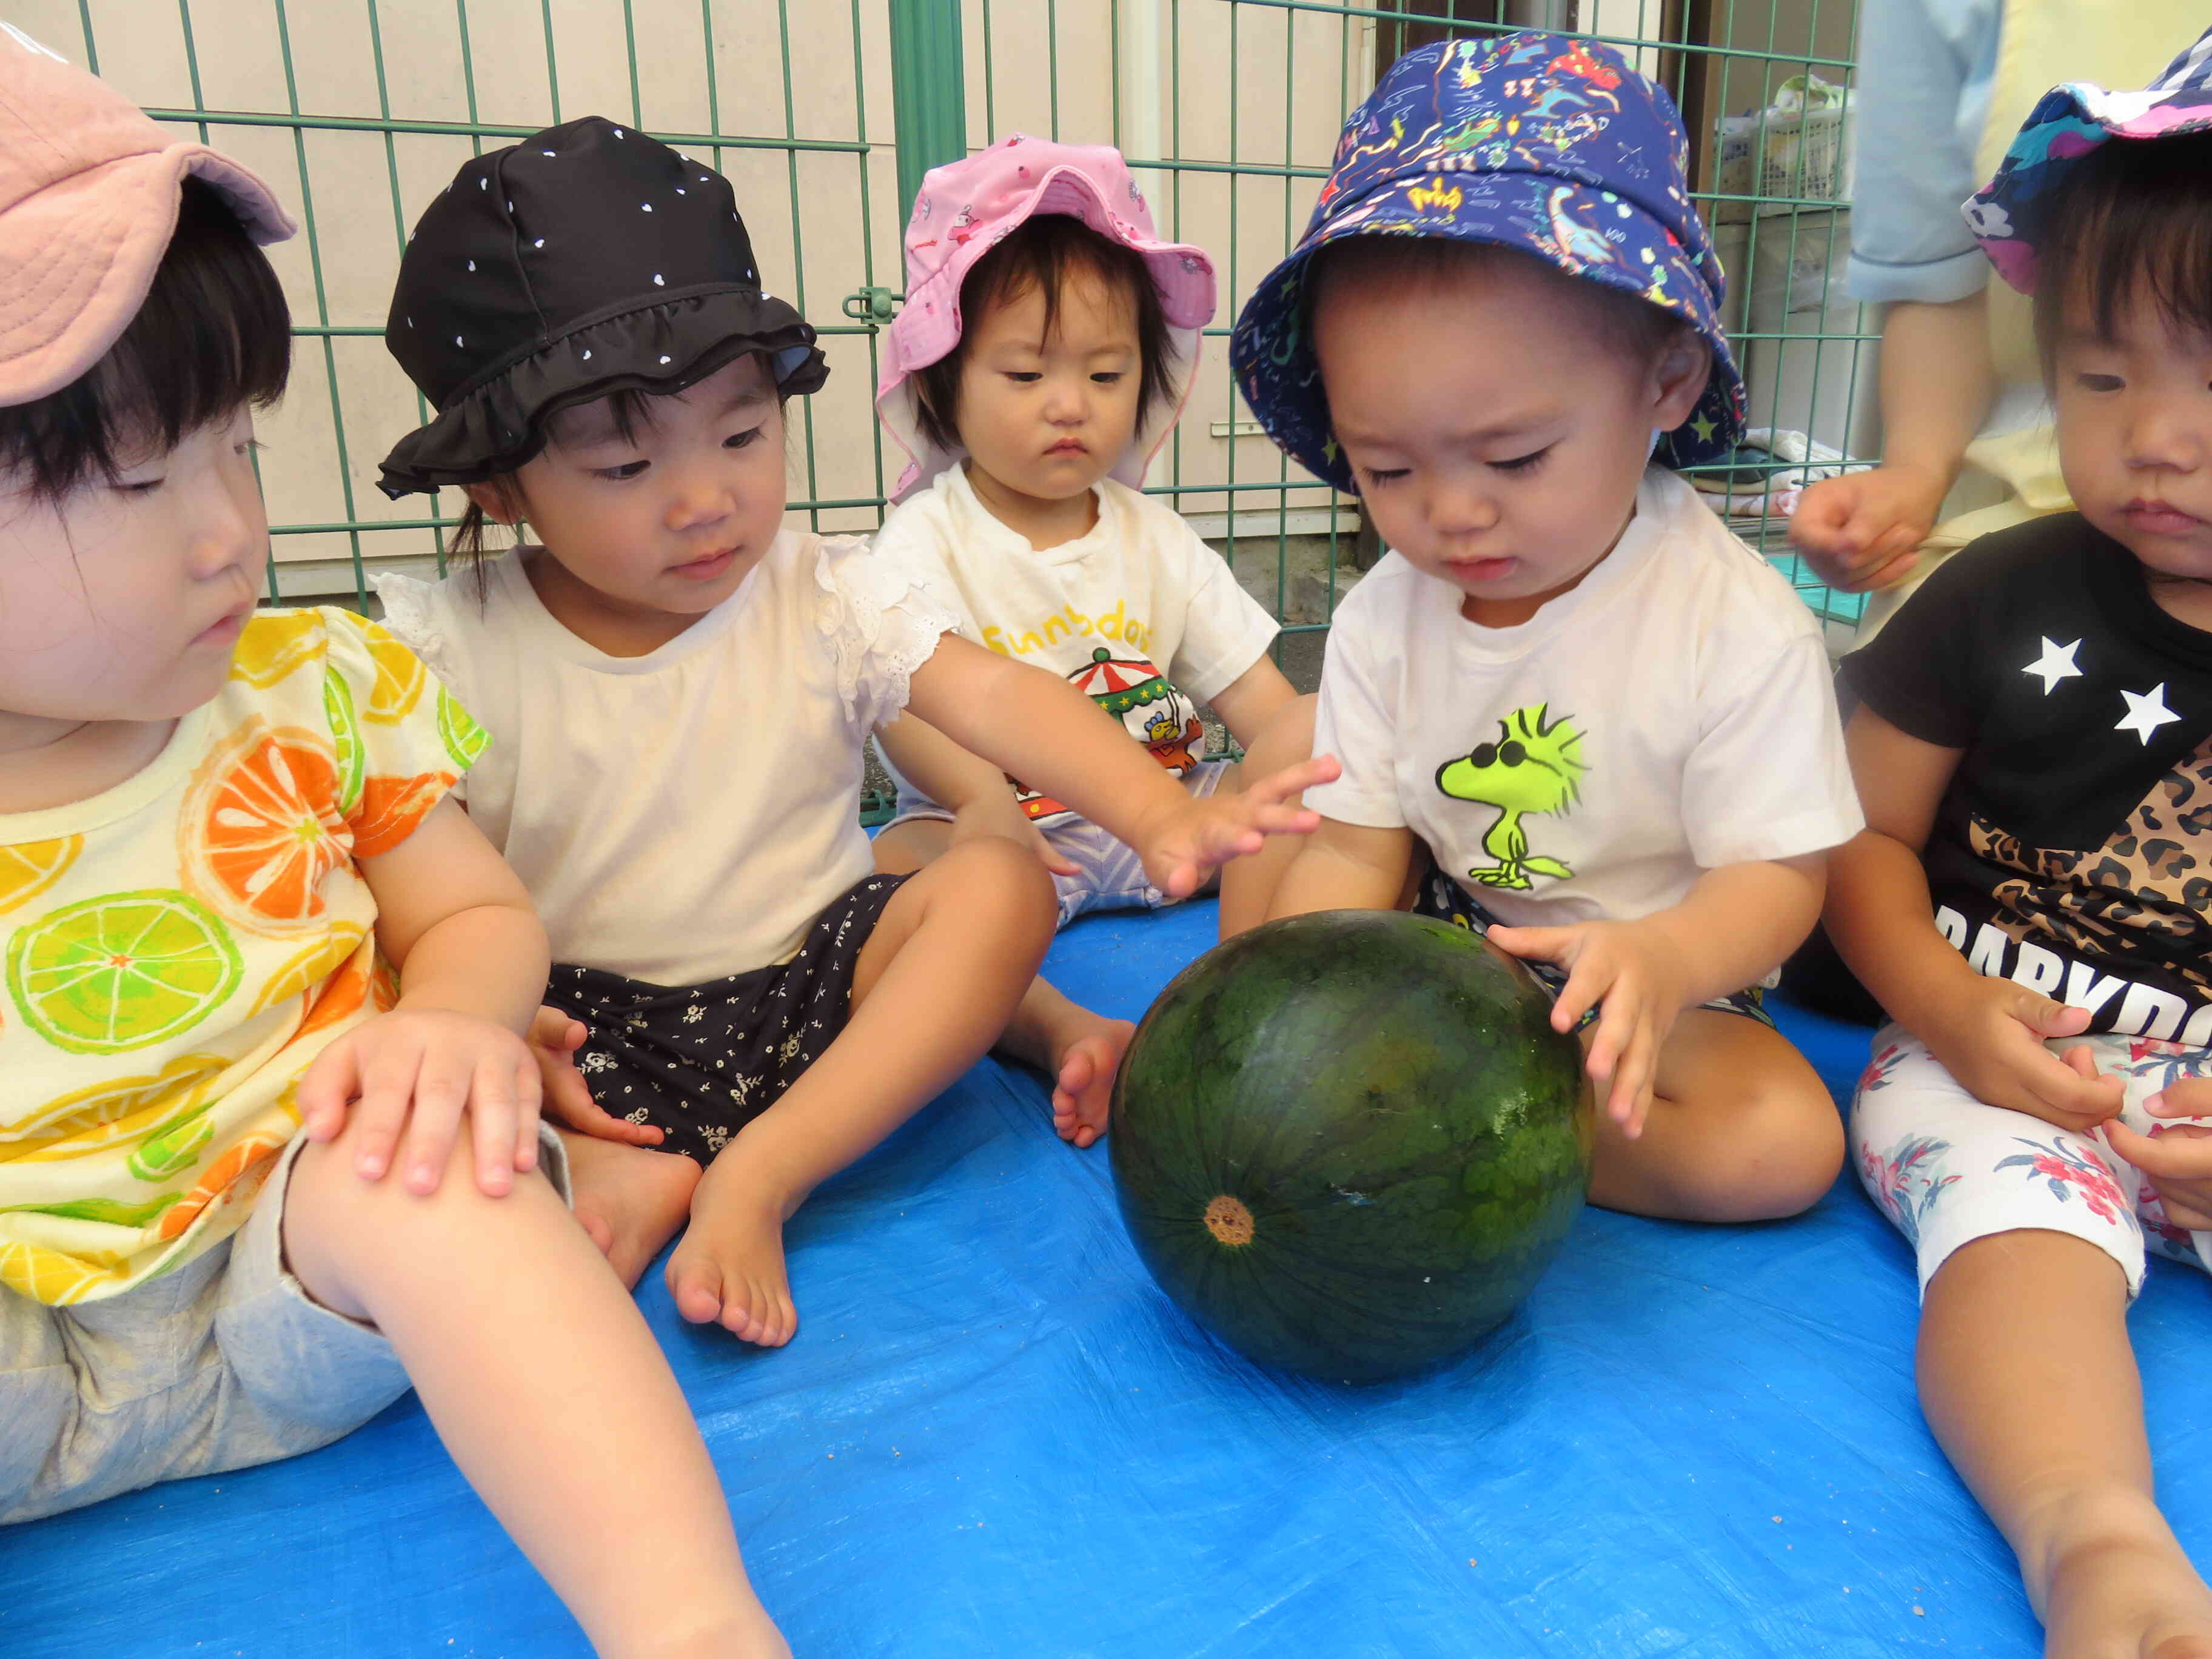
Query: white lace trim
[[880, 622], [412, 612]]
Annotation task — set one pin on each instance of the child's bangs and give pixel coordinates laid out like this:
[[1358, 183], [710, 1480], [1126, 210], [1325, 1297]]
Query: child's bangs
[[1040, 256], [2132, 221], [212, 336]]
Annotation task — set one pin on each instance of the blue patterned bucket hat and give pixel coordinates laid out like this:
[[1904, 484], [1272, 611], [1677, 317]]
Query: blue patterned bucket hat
[[1552, 146], [2006, 214]]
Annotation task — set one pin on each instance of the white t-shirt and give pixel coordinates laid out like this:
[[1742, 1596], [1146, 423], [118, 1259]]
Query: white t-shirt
[[1672, 714], [687, 814], [1139, 589]]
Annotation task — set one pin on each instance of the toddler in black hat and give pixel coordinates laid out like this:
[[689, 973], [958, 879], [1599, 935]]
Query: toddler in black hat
[[678, 690]]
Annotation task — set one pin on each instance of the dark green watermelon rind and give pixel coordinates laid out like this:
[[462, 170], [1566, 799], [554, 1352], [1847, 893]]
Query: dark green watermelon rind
[[1352, 1275]]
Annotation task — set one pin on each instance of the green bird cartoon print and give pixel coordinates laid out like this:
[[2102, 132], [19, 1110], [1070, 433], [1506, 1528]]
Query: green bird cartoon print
[[1532, 768]]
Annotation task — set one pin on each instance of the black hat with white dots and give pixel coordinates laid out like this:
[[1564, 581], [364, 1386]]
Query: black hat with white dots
[[587, 260]]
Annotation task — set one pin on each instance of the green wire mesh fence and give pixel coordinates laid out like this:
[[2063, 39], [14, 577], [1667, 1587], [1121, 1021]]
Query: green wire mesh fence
[[358, 111]]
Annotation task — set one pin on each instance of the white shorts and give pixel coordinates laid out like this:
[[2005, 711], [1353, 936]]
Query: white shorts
[[1110, 876], [1947, 1170]]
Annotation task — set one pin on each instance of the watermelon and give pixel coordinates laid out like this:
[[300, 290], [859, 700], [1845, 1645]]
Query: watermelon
[[1349, 1142]]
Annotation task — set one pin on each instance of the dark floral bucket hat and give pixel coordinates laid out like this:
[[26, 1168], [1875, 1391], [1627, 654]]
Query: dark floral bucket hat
[[2006, 214], [1545, 143], [584, 260]]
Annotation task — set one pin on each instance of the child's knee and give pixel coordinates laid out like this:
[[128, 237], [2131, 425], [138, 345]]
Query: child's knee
[[1777, 1150], [1006, 881]]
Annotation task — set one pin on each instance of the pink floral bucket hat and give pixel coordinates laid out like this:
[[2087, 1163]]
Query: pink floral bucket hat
[[963, 209]]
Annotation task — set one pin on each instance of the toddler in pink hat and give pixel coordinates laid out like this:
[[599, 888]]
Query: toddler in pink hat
[[274, 1153], [1046, 345]]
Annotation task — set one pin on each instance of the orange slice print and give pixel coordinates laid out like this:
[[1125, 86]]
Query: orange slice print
[[310, 967], [341, 997], [260, 828], [392, 809], [27, 868], [274, 643], [230, 1166]]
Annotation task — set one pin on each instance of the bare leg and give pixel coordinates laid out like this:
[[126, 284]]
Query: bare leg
[[935, 985], [1248, 884], [631, 1200], [548, 1390], [2029, 1383], [1741, 1129], [1078, 1049]]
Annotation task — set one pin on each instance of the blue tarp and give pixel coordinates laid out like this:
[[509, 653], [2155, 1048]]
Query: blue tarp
[[994, 1436]]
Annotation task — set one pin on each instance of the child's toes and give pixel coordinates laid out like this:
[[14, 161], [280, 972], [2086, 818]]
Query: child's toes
[[695, 1280]]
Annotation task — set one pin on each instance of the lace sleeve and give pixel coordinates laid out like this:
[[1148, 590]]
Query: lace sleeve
[[414, 613], [880, 621]]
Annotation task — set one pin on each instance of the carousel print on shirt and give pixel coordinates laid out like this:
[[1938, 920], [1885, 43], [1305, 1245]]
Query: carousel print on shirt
[[1150, 708]]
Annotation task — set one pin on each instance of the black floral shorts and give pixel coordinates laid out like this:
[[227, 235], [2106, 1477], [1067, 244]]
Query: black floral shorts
[[700, 1062]]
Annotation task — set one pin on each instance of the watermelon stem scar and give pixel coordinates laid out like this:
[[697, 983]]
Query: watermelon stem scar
[[1227, 1220]]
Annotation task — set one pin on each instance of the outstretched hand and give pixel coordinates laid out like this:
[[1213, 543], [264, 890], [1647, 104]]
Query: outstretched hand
[[415, 1072], [1633, 974], [554, 1039], [1183, 843], [1862, 532]]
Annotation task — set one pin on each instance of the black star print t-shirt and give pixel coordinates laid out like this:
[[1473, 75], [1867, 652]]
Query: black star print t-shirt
[[2073, 850]]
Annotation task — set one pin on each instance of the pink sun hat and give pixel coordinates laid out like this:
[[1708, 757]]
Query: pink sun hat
[[89, 191], [966, 208]]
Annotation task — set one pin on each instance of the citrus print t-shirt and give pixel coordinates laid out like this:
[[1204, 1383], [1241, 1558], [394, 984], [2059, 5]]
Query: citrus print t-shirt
[[176, 950], [1143, 617]]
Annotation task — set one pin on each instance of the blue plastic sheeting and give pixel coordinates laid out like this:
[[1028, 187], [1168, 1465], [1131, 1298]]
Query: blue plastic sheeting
[[994, 1436]]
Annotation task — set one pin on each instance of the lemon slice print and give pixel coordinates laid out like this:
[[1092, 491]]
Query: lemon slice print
[[345, 735], [274, 643], [121, 972], [400, 678], [85, 1120], [45, 1275], [464, 739], [27, 868], [309, 967]]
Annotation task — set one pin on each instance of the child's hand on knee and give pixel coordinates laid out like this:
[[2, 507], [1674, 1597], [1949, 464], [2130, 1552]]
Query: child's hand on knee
[[1991, 1035], [417, 1070], [1634, 976], [554, 1039], [1182, 842], [2175, 1158]]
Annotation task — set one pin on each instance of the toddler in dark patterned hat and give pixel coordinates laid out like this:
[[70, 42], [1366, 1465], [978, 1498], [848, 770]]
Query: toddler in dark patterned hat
[[678, 690], [1574, 711]]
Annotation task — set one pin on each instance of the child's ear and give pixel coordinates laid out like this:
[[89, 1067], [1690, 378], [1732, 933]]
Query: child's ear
[[1678, 372], [495, 502]]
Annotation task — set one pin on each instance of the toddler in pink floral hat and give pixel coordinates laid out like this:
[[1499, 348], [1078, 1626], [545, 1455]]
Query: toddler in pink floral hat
[[1046, 347]]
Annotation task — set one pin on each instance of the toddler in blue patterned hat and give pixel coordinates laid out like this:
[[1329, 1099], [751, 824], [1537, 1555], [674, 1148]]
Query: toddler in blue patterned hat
[[1573, 712]]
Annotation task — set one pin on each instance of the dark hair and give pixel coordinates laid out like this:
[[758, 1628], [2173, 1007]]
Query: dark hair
[[2131, 219], [1637, 326], [630, 408], [212, 334], [1042, 252]]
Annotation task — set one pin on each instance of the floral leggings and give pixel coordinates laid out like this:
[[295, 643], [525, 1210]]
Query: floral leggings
[[1948, 1169]]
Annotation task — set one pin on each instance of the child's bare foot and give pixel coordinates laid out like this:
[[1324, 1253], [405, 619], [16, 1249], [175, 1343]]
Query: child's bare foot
[[630, 1201], [1084, 1067], [2122, 1588], [729, 1269]]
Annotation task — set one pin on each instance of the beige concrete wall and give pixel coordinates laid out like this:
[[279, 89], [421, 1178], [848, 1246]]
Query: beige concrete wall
[[1252, 86]]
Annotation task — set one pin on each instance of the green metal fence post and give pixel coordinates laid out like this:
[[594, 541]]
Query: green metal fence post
[[929, 105]]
